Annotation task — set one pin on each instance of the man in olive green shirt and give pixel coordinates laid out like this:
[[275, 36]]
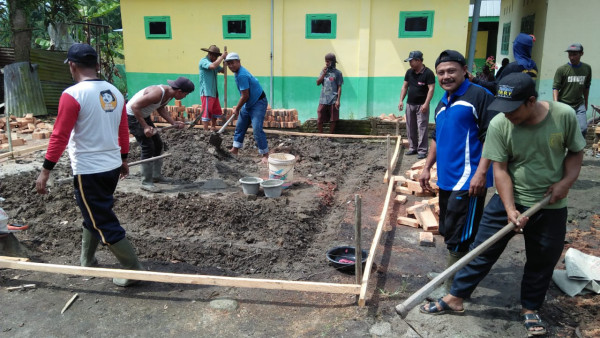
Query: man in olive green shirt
[[572, 83], [537, 150]]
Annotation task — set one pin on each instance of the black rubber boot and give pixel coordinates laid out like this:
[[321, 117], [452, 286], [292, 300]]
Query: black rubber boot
[[157, 176], [89, 244], [125, 253]]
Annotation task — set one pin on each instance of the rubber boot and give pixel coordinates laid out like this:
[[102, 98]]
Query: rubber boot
[[89, 244], [147, 184], [444, 289], [125, 253], [157, 176]]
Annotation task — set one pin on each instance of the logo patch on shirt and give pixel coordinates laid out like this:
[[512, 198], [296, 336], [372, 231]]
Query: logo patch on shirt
[[556, 141], [108, 101]]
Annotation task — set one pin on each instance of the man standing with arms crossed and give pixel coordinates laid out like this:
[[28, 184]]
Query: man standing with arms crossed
[[209, 66], [572, 83], [462, 118], [419, 82], [95, 130]]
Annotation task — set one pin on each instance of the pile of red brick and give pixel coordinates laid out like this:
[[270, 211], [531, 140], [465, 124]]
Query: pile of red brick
[[24, 125], [274, 118]]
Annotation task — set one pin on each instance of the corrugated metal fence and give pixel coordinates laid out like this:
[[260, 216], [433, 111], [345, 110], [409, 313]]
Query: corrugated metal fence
[[54, 75]]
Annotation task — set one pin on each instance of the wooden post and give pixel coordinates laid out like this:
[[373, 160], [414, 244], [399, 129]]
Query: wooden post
[[398, 127], [225, 85], [357, 237], [387, 154]]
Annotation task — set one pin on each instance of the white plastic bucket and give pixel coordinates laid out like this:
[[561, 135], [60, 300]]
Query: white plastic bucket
[[281, 167]]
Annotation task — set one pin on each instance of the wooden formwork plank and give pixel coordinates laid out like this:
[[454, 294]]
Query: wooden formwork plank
[[394, 160], [25, 150], [375, 243], [164, 277]]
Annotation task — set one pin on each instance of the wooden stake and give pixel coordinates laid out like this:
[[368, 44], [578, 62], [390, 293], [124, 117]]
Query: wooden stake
[[69, 303], [357, 238]]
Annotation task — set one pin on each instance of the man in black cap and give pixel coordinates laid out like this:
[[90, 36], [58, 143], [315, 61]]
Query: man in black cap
[[462, 117], [419, 83], [331, 93], [572, 83], [209, 66], [139, 109], [537, 150], [92, 122]]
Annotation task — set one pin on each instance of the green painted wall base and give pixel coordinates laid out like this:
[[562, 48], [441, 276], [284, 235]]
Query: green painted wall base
[[302, 93]]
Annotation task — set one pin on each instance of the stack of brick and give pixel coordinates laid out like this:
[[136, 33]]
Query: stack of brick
[[274, 118], [425, 211], [24, 125]]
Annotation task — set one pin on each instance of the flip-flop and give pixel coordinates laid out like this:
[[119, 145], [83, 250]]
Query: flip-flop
[[431, 309], [533, 320], [17, 227]]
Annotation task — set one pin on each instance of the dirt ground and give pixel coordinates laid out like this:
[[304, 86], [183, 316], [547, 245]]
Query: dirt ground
[[204, 224]]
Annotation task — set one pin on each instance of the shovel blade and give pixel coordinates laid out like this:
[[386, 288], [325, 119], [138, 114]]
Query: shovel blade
[[215, 140]]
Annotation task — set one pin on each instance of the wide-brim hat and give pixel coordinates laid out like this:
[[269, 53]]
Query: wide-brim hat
[[212, 49]]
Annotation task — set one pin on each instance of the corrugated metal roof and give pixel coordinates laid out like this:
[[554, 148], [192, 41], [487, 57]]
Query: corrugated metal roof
[[53, 74], [23, 90], [488, 8]]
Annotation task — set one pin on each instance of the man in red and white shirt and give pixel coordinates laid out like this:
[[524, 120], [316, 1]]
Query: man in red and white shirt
[[92, 124]]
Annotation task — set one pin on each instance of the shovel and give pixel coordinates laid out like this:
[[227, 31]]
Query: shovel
[[215, 138], [412, 301]]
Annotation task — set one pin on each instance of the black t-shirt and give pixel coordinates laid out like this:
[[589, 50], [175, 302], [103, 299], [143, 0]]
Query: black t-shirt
[[418, 85]]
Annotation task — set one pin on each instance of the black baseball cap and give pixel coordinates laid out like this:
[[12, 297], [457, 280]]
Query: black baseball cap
[[513, 90], [450, 55], [575, 47], [82, 53], [182, 83], [415, 54]]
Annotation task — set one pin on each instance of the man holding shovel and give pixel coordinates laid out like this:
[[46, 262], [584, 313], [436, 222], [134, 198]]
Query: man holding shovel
[[139, 109], [537, 149], [209, 66], [251, 108], [96, 134]]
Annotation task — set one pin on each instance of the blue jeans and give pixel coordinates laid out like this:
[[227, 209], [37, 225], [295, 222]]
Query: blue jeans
[[581, 114], [256, 116], [544, 236]]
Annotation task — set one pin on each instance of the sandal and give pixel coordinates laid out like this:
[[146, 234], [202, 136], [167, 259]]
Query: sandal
[[532, 321], [432, 309]]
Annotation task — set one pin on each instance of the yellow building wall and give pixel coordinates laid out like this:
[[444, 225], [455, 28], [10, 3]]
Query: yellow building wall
[[367, 45]]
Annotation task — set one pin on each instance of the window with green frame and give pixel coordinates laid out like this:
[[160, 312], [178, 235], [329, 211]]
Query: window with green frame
[[505, 38], [321, 26], [157, 27], [527, 23], [416, 24], [236, 27]]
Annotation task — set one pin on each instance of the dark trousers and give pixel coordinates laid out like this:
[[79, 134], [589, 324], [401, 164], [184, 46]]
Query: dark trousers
[[459, 218], [544, 236], [94, 195], [151, 146]]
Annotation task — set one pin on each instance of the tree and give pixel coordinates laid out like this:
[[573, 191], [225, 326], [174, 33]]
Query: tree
[[19, 25]]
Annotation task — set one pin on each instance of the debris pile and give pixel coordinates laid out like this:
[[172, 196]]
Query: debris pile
[[23, 125], [392, 118]]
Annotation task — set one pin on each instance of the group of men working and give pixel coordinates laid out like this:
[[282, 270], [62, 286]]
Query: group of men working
[[535, 147]]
